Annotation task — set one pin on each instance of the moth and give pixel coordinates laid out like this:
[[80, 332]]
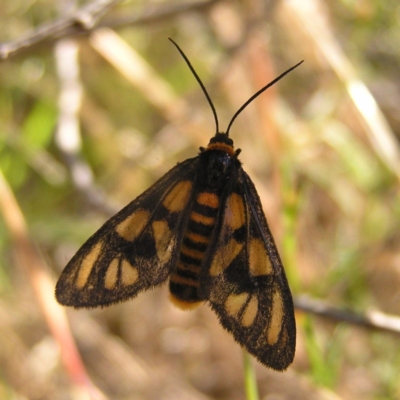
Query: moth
[[202, 227]]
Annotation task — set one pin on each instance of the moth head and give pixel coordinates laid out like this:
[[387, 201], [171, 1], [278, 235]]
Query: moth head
[[221, 142], [221, 138]]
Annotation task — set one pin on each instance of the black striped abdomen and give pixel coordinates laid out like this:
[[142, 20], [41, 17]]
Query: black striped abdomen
[[184, 281]]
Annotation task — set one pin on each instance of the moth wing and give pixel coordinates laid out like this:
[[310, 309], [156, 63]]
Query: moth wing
[[246, 283], [135, 249]]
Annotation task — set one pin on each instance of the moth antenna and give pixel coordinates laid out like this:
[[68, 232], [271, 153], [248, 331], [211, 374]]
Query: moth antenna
[[258, 93], [200, 83]]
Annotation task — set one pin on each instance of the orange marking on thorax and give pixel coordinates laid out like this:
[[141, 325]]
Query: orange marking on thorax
[[221, 147]]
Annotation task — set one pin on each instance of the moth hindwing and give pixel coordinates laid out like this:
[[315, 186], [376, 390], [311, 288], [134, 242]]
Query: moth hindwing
[[202, 227]]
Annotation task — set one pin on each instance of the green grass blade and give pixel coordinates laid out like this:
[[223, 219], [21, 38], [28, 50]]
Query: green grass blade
[[250, 383]]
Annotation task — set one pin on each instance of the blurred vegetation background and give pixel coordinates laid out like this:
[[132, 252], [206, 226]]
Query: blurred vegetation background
[[94, 110]]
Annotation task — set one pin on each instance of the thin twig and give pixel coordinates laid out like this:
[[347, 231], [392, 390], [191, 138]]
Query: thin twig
[[83, 20], [86, 19], [371, 320], [68, 135], [156, 15]]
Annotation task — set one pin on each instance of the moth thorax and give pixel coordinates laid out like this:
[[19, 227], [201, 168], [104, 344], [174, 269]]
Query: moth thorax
[[218, 168]]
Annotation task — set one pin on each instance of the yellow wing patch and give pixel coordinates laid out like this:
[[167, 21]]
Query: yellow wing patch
[[234, 219], [259, 262], [235, 302], [129, 274], [164, 239], [250, 312], [235, 216], [224, 256], [178, 197], [112, 274], [131, 227], [87, 265], [275, 324]]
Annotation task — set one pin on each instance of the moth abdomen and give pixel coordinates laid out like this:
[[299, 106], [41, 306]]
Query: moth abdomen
[[185, 279]]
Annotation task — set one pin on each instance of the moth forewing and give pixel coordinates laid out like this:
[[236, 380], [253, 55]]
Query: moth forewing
[[135, 249], [245, 281]]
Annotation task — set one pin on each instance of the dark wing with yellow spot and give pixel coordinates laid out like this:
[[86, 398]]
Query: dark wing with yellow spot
[[246, 284], [135, 249]]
